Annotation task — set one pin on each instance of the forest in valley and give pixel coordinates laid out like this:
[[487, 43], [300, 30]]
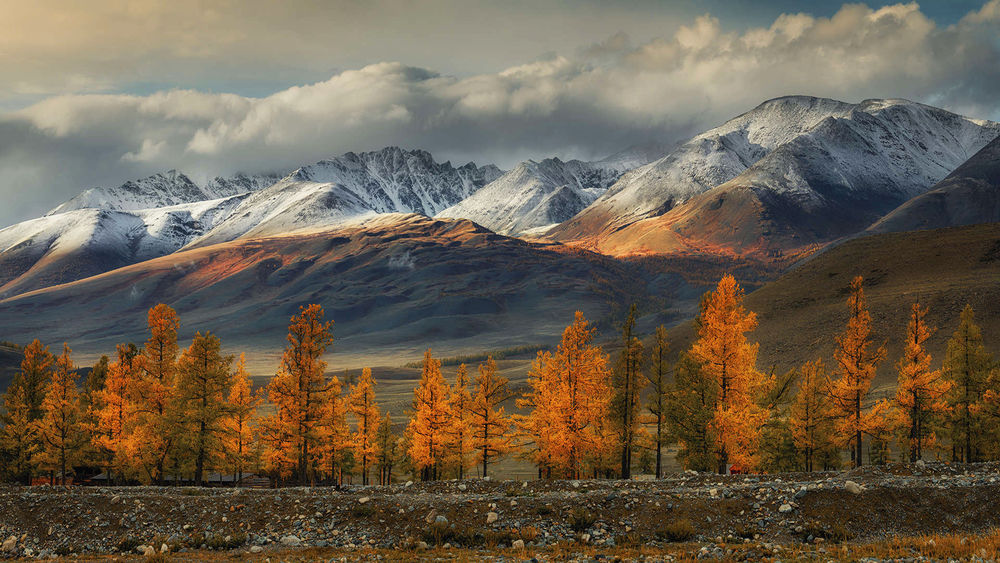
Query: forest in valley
[[160, 414]]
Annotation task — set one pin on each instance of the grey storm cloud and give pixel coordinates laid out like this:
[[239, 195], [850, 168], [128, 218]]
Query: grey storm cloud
[[594, 101]]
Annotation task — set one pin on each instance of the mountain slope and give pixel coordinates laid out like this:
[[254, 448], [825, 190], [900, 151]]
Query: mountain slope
[[394, 284], [707, 160], [334, 192], [832, 180], [970, 195], [801, 312], [536, 194], [77, 244], [163, 190]]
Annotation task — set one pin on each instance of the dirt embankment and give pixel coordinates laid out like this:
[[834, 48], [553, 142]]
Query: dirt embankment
[[704, 511]]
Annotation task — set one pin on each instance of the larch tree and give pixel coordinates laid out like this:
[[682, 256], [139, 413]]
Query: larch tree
[[428, 428], [336, 437], [967, 365], [154, 392], [920, 391], [730, 362], [857, 360], [243, 402], [659, 371], [626, 381], [386, 446], [361, 403], [568, 400], [689, 412], [491, 428], [202, 385], [19, 435], [460, 429], [300, 392], [60, 429], [35, 374], [113, 412], [810, 418]]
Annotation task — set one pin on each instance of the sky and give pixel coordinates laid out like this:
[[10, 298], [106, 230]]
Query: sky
[[99, 92]]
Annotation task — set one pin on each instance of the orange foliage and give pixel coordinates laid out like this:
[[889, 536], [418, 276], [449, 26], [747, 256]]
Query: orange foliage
[[114, 410], [300, 393], [239, 426], [491, 428], [730, 361], [151, 445], [569, 399], [362, 405], [920, 391], [857, 362], [61, 426], [428, 428], [460, 429]]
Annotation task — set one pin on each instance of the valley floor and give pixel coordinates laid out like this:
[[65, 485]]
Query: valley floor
[[935, 511]]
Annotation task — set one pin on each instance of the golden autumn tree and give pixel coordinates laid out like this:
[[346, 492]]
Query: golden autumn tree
[[627, 381], [35, 374], [857, 361], [656, 378], [239, 436], [386, 450], [19, 435], [920, 391], [730, 362], [491, 428], [361, 403], [460, 429], [113, 411], [153, 393], [428, 428], [337, 441], [300, 394], [966, 366], [810, 418], [202, 385], [60, 429], [569, 396]]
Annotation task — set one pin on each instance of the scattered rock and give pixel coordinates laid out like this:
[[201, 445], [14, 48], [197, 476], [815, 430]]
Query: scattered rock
[[491, 517], [146, 550], [517, 544], [9, 545], [920, 464], [785, 508], [441, 519], [363, 500], [164, 548], [291, 541], [256, 549], [431, 516], [422, 545], [853, 488], [408, 484], [462, 486]]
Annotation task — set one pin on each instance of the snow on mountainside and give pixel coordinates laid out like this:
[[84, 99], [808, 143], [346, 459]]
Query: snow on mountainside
[[333, 192], [535, 194], [707, 160], [76, 244], [969, 195], [163, 190], [833, 179]]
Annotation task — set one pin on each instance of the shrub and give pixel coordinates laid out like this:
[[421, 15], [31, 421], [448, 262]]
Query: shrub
[[677, 531], [438, 533], [362, 511], [529, 533], [629, 539], [581, 519], [543, 510]]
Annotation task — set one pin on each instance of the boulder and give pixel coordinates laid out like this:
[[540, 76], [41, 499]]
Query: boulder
[[491, 517], [853, 488], [291, 541], [517, 544]]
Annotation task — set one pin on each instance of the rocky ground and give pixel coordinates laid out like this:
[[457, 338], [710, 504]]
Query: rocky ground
[[685, 516]]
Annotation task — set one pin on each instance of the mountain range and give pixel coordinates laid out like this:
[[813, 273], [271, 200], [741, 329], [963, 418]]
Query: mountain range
[[407, 252]]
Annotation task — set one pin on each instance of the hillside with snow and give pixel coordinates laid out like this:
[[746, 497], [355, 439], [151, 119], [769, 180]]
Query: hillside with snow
[[536, 194], [824, 170]]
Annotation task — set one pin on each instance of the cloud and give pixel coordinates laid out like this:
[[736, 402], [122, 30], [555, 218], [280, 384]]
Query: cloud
[[594, 101]]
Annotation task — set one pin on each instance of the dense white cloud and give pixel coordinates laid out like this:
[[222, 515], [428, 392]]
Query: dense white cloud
[[588, 102]]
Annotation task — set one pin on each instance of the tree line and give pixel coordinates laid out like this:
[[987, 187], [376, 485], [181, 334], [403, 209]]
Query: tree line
[[156, 413]]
